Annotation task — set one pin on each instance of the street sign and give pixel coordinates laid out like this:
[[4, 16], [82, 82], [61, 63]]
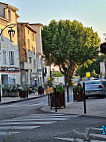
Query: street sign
[[49, 90], [87, 74]]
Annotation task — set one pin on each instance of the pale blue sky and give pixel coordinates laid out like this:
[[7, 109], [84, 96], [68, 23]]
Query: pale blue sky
[[90, 12]]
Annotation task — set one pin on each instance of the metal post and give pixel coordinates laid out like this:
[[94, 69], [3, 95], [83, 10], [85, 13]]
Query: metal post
[[67, 93], [84, 99], [55, 99], [105, 66]]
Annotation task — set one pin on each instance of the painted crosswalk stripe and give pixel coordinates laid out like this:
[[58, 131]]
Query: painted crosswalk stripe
[[27, 123], [69, 139], [8, 133], [36, 119], [98, 135], [18, 127]]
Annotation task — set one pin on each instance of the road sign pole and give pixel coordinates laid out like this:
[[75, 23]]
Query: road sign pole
[[84, 99], [55, 99]]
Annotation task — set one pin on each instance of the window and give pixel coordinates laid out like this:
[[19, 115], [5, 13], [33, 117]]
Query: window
[[2, 36], [33, 37], [34, 63], [33, 49], [4, 57], [28, 44], [4, 13], [30, 59], [9, 15], [28, 31], [11, 57]]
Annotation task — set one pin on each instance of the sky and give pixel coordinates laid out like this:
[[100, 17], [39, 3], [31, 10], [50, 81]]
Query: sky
[[91, 13]]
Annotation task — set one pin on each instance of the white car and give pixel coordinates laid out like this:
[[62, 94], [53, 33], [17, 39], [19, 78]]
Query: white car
[[94, 88]]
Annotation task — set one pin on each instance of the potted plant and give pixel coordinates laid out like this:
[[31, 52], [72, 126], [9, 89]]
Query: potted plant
[[23, 91], [60, 97], [40, 90], [78, 92]]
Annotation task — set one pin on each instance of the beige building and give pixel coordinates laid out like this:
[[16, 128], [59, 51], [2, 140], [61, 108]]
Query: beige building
[[9, 53], [27, 50], [39, 54]]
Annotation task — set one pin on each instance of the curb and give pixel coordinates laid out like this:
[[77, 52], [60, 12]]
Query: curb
[[26, 99]]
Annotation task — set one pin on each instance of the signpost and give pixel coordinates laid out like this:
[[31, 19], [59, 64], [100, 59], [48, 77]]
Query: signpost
[[84, 99], [48, 92]]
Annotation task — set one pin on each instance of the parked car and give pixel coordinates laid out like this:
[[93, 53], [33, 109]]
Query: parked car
[[104, 84], [94, 88]]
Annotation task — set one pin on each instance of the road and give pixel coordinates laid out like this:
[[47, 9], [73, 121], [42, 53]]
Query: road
[[25, 122]]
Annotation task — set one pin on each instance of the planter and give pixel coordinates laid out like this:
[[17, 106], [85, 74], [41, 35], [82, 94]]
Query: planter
[[78, 95], [40, 90], [10, 93], [23, 94], [60, 100]]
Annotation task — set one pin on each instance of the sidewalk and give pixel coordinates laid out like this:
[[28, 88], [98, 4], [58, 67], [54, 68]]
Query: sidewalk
[[8, 100], [94, 107]]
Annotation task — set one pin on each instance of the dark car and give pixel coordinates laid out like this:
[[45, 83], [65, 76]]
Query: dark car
[[104, 84]]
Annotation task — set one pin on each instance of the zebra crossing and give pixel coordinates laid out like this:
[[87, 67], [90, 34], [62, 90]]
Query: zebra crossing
[[90, 135], [32, 121]]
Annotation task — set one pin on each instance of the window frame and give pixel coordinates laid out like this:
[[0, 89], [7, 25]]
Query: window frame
[[3, 57], [13, 58]]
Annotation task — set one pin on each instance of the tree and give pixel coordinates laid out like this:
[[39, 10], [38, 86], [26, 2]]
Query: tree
[[70, 44], [91, 67]]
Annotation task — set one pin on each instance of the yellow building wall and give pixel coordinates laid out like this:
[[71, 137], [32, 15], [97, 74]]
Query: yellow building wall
[[13, 21], [28, 35]]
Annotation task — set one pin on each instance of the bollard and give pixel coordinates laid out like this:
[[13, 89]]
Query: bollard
[[55, 99], [84, 99]]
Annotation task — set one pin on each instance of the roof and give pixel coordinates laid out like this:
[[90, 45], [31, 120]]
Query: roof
[[9, 6], [39, 24], [28, 26]]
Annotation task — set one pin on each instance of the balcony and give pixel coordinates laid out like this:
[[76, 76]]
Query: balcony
[[26, 66]]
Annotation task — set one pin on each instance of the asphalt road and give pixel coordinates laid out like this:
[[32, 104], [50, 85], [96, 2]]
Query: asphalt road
[[24, 122]]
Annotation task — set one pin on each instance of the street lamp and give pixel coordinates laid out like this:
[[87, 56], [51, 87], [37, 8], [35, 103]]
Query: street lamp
[[11, 33], [50, 67], [103, 50]]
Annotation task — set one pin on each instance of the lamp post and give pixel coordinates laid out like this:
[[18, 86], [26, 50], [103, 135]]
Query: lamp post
[[103, 50], [50, 67], [11, 33]]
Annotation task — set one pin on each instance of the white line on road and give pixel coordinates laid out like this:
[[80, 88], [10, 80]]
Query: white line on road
[[8, 133], [36, 119], [18, 127], [69, 139], [26, 123]]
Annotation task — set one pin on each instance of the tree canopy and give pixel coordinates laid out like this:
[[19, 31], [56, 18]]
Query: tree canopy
[[94, 66], [69, 44]]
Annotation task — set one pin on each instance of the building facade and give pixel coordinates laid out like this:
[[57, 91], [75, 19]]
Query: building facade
[[9, 52], [39, 54], [27, 52]]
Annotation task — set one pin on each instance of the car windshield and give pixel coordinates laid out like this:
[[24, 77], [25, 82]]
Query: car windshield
[[93, 82], [104, 82]]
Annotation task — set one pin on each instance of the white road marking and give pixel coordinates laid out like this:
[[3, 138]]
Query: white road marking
[[8, 133], [98, 135], [30, 122], [69, 139], [36, 119], [18, 127], [26, 123]]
